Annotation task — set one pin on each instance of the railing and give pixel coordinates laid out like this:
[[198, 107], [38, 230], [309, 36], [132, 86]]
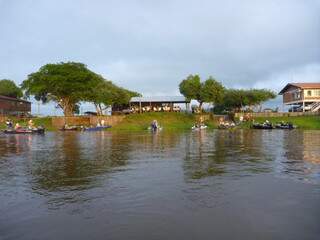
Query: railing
[[315, 106], [278, 114]]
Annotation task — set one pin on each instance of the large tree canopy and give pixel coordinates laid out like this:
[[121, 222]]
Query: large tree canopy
[[210, 91], [65, 83], [236, 99], [9, 88], [107, 94]]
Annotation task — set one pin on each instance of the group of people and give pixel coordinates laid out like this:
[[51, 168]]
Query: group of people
[[226, 124], [10, 125], [101, 123], [156, 109]]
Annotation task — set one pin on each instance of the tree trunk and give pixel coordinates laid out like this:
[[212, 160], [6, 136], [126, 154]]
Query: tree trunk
[[68, 110], [67, 107], [98, 109], [200, 106]]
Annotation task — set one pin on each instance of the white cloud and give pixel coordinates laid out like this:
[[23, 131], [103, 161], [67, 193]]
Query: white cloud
[[151, 46]]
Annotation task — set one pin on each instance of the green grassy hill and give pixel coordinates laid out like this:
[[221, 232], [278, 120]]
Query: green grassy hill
[[169, 121]]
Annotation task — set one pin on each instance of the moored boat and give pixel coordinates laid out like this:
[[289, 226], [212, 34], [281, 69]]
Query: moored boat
[[262, 126], [70, 128], [201, 127], [98, 128], [284, 125], [226, 125], [38, 130]]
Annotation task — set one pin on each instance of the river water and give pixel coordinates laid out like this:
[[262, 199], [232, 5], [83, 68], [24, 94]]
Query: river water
[[244, 184]]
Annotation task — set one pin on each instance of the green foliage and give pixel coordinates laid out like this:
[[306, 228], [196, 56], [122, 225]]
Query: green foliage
[[210, 91], [9, 88], [108, 94], [65, 83], [191, 87], [235, 99]]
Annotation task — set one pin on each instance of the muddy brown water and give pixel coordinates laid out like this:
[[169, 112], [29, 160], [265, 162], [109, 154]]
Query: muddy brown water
[[245, 184]]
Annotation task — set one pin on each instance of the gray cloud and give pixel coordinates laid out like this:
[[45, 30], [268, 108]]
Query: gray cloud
[[150, 46]]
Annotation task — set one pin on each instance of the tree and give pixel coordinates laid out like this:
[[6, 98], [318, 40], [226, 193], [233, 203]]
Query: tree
[[64, 83], [9, 88], [210, 91], [107, 94], [191, 87], [236, 99]]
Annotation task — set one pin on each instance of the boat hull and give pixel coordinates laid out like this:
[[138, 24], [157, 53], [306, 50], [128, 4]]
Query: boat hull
[[25, 131]]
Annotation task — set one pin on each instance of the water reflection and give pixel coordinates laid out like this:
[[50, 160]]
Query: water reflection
[[300, 157], [159, 186], [65, 165], [77, 158], [225, 152]]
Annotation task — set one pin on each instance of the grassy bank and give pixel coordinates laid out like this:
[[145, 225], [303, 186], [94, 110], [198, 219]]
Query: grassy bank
[[169, 121], [177, 121], [303, 122], [41, 121]]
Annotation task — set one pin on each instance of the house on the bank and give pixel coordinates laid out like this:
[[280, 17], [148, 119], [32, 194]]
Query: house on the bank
[[14, 106], [303, 96]]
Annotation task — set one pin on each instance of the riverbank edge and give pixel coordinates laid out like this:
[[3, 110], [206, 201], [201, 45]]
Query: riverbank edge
[[179, 121]]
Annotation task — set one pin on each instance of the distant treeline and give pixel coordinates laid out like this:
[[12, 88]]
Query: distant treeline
[[212, 91], [68, 84]]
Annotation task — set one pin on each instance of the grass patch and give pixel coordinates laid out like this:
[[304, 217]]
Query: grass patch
[[40, 121], [169, 121]]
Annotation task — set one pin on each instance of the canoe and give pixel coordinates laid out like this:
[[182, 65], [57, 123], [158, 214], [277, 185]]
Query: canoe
[[73, 128], [25, 131], [100, 128]]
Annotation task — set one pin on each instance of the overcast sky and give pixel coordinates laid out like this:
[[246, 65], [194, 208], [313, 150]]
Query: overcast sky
[[150, 46]]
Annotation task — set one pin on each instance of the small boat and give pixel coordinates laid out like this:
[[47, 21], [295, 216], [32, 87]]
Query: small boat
[[262, 126], [38, 130], [226, 125], [283, 125], [70, 128], [154, 129], [201, 127], [98, 128]]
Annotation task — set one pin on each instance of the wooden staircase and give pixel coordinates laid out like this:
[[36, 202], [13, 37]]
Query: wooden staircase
[[315, 106]]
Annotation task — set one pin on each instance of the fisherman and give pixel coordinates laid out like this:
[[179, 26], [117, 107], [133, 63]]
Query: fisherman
[[17, 126], [154, 125], [102, 122], [30, 124], [9, 123]]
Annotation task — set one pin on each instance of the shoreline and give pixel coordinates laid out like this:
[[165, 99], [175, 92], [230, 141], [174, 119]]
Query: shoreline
[[178, 122]]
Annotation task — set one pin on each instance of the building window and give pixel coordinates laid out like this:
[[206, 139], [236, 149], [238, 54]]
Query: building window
[[296, 95], [309, 93]]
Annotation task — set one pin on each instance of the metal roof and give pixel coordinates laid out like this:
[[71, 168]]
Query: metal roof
[[301, 85], [13, 99], [160, 99]]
